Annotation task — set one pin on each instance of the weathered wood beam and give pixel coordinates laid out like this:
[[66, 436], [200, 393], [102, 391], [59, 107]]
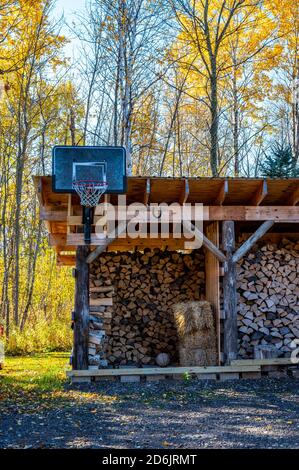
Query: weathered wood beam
[[205, 241], [161, 370], [250, 242], [230, 332], [212, 284], [252, 213], [210, 213], [122, 226], [53, 215], [294, 198], [219, 200], [66, 260], [81, 318], [185, 193], [260, 194]]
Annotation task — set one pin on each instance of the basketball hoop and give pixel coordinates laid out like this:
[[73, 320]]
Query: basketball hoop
[[90, 191]]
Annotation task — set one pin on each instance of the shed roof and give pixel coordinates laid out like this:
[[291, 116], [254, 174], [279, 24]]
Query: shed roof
[[236, 196]]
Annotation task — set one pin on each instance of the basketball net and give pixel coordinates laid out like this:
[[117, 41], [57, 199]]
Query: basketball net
[[90, 191]]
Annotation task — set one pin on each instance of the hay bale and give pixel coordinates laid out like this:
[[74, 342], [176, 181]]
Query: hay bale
[[197, 333]]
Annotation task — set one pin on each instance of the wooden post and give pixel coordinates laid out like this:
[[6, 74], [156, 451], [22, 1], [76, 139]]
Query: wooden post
[[230, 343], [212, 278], [81, 323]]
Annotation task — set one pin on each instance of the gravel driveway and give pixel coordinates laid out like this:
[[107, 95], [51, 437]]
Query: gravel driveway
[[236, 414]]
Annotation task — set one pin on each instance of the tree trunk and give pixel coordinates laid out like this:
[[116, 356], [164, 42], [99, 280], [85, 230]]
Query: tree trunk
[[214, 123]]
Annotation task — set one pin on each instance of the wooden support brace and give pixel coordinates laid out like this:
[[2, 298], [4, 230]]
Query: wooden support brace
[[259, 233], [118, 231], [205, 241]]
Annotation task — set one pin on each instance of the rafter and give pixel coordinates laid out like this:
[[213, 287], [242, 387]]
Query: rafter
[[147, 192], [294, 198], [185, 193], [259, 194], [222, 194]]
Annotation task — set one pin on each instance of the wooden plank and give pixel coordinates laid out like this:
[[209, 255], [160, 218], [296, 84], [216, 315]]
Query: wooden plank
[[260, 193], [66, 260], [102, 289], [248, 244], [212, 283], [162, 370], [98, 302], [205, 241], [210, 213], [263, 362], [81, 318], [252, 213], [53, 215], [230, 331]]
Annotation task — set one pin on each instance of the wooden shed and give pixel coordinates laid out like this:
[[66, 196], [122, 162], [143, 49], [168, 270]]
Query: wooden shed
[[249, 225]]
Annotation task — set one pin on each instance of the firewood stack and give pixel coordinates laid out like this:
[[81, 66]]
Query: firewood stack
[[132, 294], [268, 286]]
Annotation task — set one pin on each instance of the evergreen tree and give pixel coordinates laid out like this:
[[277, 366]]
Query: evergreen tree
[[279, 162]]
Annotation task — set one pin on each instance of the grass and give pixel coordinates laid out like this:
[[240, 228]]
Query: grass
[[39, 382], [35, 374]]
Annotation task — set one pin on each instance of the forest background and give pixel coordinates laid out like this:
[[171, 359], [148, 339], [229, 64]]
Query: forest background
[[189, 87]]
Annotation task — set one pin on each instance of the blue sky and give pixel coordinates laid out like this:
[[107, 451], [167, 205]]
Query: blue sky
[[68, 7]]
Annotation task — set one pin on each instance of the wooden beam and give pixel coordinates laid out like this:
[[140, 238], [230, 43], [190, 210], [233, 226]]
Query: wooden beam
[[259, 233], [230, 333], [66, 260], [274, 361], [212, 282], [185, 193], [81, 320], [252, 213], [294, 198], [161, 370], [53, 215], [205, 241], [285, 214], [101, 302], [122, 226], [222, 194], [260, 194]]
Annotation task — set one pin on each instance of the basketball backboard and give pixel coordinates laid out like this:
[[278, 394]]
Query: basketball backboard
[[89, 163]]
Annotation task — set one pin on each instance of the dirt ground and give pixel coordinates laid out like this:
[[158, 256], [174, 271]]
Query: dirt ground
[[176, 414]]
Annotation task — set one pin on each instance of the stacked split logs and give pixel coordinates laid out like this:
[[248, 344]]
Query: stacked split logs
[[132, 294], [268, 307]]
